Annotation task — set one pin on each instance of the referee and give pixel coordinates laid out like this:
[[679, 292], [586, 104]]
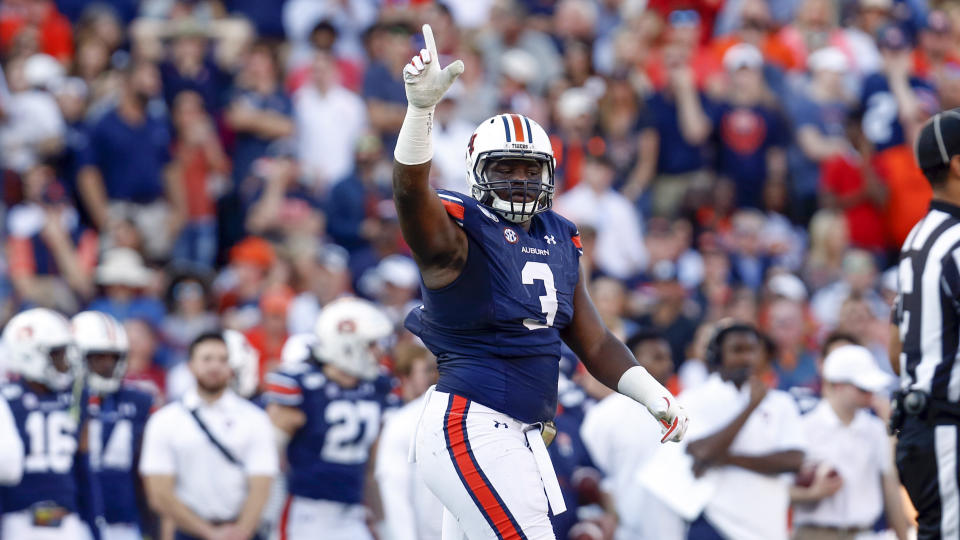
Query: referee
[[924, 347]]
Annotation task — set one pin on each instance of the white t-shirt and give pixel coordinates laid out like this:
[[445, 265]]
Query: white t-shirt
[[861, 454], [621, 436], [746, 505], [328, 126], [206, 481], [411, 510]]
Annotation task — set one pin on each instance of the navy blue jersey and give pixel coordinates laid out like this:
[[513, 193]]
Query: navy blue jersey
[[115, 432], [50, 441], [328, 454], [496, 329]]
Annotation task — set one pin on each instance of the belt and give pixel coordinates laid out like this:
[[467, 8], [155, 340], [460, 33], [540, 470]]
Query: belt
[[923, 407], [829, 528], [537, 435], [47, 514]]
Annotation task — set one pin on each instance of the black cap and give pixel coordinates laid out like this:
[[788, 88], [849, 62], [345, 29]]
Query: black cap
[[939, 140]]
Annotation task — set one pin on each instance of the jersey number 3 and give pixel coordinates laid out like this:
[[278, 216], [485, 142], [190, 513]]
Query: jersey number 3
[[538, 271]]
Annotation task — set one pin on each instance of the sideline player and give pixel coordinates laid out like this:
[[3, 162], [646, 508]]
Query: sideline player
[[58, 492], [118, 414], [327, 411], [501, 288]]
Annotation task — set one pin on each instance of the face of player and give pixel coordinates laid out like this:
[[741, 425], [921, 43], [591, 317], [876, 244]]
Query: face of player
[[103, 363], [524, 176], [58, 356], [655, 356], [209, 364], [742, 353]]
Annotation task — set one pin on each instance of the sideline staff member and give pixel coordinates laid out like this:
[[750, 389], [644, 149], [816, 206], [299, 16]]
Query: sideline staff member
[[924, 349], [206, 463]]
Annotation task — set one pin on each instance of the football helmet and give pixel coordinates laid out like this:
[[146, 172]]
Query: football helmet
[[31, 339], [298, 348], [347, 332], [245, 361], [96, 332], [510, 136]]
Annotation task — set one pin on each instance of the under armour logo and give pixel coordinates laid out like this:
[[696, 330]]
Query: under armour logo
[[497, 424], [550, 239]]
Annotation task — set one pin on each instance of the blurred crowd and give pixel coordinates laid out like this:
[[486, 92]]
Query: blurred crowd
[[186, 165]]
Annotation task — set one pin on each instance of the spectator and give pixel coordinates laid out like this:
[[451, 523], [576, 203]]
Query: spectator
[[189, 67], [352, 201], [39, 22], [669, 315], [795, 364], [846, 495], [936, 51], [748, 257], [896, 103], [259, 113], [201, 166], [52, 255], [33, 127], [753, 25], [870, 17], [383, 83], [270, 334], [681, 127], [321, 275], [508, 31], [620, 453], [206, 464], [575, 137], [345, 120], [244, 280], [609, 297], [72, 94], [323, 37], [621, 252], [851, 185], [188, 316], [394, 284], [124, 281], [129, 178], [411, 517], [859, 278], [278, 205], [829, 240], [451, 133], [817, 114], [747, 129], [814, 27]]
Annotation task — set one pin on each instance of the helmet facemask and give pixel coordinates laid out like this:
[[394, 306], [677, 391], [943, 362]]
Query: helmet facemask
[[105, 384], [500, 194]]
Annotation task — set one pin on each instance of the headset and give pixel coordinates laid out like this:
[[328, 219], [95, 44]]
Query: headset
[[713, 356]]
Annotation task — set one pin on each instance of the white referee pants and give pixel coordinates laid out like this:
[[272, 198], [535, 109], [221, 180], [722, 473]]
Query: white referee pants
[[477, 462]]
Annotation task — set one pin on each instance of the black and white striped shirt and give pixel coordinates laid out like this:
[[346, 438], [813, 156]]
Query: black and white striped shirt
[[927, 310]]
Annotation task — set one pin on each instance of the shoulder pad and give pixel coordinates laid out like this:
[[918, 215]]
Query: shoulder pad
[[11, 392]]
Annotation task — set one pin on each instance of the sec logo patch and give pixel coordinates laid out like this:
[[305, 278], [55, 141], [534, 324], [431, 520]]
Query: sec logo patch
[[510, 236]]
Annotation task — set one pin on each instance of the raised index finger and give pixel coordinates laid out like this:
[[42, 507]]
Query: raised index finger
[[431, 44]]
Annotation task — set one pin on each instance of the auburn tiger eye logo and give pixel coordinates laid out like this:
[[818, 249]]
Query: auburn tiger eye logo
[[347, 326], [470, 144]]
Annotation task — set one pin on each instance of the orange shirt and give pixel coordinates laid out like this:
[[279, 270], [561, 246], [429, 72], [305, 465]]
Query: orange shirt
[[910, 192], [55, 34]]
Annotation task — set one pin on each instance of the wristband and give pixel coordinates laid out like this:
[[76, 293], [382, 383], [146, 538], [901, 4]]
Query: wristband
[[415, 142], [637, 384]]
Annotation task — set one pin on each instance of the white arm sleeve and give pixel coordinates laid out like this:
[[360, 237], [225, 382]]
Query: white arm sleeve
[[11, 450]]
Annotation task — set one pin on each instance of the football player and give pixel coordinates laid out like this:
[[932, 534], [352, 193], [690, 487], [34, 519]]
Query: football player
[[329, 407], [118, 414], [58, 496], [502, 288]]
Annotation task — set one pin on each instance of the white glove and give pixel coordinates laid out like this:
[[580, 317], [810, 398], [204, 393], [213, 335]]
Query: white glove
[[673, 419], [638, 384], [423, 79]]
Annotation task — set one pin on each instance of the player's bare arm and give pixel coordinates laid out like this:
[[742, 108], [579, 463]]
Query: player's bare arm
[[609, 360], [438, 245]]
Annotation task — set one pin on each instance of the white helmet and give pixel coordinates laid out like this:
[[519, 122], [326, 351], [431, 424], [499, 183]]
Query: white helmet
[[510, 136], [298, 348], [29, 339], [346, 330], [245, 361], [96, 332]]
